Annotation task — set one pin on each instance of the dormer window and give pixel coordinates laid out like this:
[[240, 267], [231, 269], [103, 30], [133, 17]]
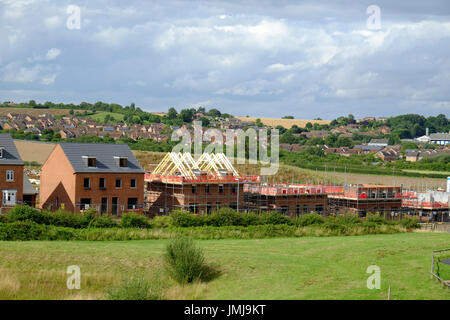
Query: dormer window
[[1, 152], [122, 161], [90, 162]]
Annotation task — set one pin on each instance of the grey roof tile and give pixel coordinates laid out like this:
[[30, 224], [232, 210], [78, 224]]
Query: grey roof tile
[[10, 153], [104, 154]]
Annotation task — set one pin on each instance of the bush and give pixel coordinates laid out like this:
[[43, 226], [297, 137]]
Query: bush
[[4, 219], [29, 230], [410, 223], [103, 222], [184, 219], [376, 218], [24, 213], [185, 261], [162, 222], [275, 218], [309, 219], [136, 287], [132, 220], [225, 217], [250, 219], [347, 219]]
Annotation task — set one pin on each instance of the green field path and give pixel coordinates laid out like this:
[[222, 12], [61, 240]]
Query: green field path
[[281, 268]]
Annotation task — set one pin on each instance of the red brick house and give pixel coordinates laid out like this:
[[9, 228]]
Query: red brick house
[[12, 177], [78, 176]]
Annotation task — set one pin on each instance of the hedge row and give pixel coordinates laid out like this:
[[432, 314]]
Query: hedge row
[[28, 230], [89, 219]]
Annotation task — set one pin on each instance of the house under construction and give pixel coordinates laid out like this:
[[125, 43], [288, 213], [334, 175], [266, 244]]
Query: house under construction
[[289, 199], [428, 206], [180, 182], [365, 198]]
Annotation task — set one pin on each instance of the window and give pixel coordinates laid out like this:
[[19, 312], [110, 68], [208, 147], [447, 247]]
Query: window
[[123, 162], [9, 197], [101, 183], [132, 203], [118, 183], [85, 203], [91, 162], [207, 188], [87, 183], [297, 210], [220, 188], [233, 189], [9, 175], [305, 209], [284, 209], [194, 189], [133, 183]]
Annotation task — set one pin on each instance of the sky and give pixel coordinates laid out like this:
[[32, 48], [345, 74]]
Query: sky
[[309, 59]]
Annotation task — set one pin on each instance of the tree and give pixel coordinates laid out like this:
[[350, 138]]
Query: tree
[[258, 123], [172, 114], [71, 112], [288, 117], [309, 125]]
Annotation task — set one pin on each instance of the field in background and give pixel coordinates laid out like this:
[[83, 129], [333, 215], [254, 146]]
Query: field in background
[[287, 123], [34, 150], [36, 112], [100, 116], [281, 268]]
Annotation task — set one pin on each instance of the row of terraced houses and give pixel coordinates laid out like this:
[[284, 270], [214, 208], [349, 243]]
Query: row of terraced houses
[[109, 178]]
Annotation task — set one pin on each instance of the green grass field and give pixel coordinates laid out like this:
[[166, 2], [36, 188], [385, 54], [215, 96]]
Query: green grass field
[[100, 116], [281, 268]]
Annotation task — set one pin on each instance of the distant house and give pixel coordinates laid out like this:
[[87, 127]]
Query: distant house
[[378, 142], [12, 177], [78, 176], [388, 154], [440, 138]]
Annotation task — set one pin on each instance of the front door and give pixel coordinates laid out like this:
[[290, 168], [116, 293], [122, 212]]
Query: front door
[[9, 197], [114, 206], [104, 208]]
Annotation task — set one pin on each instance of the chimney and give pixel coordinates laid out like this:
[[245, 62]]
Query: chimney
[[427, 132]]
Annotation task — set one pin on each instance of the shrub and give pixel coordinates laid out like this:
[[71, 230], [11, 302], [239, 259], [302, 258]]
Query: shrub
[[275, 218], [309, 219], [376, 218], [185, 261], [132, 220], [22, 231], [250, 219], [103, 222], [348, 219], [23, 213], [225, 217], [162, 222], [410, 223], [184, 219], [67, 219], [4, 218], [136, 287]]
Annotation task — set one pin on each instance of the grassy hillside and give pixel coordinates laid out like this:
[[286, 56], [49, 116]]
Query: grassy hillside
[[100, 116], [287, 123], [36, 112], [282, 268]]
